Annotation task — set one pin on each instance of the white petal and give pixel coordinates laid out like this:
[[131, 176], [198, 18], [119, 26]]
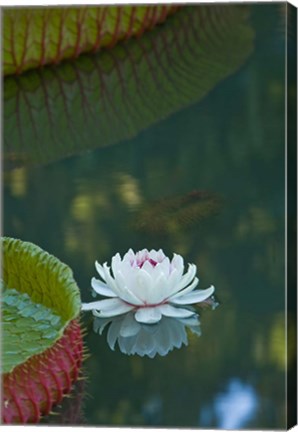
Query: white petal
[[191, 321], [175, 312], [171, 334], [186, 279], [107, 308], [129, 326], [178, 263], [91, 306], [129, 256], [100, 323], [151, 328], [144, 287], [174, 277], [142, 255], [145, 342], [160, 255], [130, 252], [193, 297], [178, 334], [109, 279], [113, 333], [196, 330], [124, 292], [148, 315], [127, 344], [116, 261], [128, 272], [171, 282], [160, 289], [100, 270], [164, 267], [154, 255], [101, 288], [149, 268], [186, 290], [162, 339]]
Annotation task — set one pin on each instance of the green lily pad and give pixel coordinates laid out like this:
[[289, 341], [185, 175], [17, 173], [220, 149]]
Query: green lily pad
[[118, 92], [36, 36], [39, 299]]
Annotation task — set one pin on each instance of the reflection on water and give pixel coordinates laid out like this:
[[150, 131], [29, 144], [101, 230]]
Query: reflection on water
[[232, 409], [167, 215], [152, 410], [99, 100], [147, 339], [71, 409]]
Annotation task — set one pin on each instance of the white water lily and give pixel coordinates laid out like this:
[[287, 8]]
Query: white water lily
[[147, 340], [149, 284]]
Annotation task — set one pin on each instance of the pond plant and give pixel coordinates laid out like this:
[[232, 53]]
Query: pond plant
[[106, 98], [34, 37], [149, 302], [42, 337]]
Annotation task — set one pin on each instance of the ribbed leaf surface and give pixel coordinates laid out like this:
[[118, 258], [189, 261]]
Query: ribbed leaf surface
[[27, 328], [102, 99], [34, 37], [39, 299]]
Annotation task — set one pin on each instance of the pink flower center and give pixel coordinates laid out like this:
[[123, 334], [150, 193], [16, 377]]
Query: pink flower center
[[142, 262]]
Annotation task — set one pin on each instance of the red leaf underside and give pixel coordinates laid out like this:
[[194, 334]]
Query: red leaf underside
[[34, 387]]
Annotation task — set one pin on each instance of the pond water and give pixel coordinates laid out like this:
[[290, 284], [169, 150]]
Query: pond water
[[172, 141]]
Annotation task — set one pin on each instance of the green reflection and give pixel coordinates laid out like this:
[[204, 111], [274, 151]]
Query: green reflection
[[100, 100]]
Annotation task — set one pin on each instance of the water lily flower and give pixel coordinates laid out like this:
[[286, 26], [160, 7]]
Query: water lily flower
[[147, 340], [149, 284]]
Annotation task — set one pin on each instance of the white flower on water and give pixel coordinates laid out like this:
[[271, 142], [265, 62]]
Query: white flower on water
[[144, 339], [148, 284]]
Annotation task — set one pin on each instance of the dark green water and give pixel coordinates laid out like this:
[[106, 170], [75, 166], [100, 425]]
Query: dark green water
[[96, 153]]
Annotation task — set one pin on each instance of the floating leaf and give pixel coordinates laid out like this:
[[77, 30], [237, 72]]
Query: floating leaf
[[39, 299], [102, 99], [37, 36], [35, 386]]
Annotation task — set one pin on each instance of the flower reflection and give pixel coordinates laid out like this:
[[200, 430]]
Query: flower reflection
[[147, 339], [149, 285]]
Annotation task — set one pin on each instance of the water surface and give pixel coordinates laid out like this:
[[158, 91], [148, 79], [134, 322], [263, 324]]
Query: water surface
[[98, 157]]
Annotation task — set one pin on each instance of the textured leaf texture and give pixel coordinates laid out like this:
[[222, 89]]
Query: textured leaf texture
[[34, 387], [34, 37], [102, 99], [27, 328], [40, 298]]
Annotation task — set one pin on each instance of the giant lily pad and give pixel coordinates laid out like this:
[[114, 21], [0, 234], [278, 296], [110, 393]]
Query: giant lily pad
[[39, 299], [37, 36], [102, 99]]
